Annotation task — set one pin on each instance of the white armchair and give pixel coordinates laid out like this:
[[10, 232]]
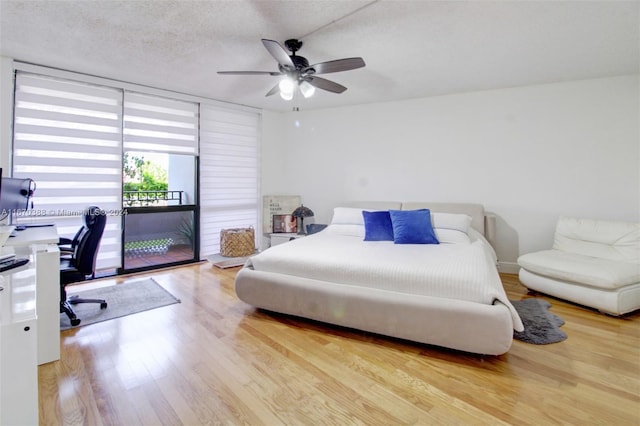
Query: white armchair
[[592, 262]]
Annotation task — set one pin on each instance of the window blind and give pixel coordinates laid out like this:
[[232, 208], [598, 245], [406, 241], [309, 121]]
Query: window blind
[[229, 173], [67, 138], [156, 124]]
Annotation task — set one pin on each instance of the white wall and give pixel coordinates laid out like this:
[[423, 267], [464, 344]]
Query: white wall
[[6, 113], [528, 154]]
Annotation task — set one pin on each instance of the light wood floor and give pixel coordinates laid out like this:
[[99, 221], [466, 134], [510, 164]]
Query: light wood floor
[[215, 360]]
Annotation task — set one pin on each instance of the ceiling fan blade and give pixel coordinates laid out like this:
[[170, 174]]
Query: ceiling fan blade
[[338, 65], [276, 89], [324, 84], [249, 73], [278, 53]]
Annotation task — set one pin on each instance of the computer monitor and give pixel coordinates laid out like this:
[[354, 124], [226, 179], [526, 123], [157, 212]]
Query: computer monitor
[[14, 196]]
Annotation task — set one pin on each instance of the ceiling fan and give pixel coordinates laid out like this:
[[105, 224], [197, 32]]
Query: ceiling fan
[[298, 73]]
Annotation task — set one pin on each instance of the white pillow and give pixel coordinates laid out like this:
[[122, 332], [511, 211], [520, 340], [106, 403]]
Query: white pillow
[[451, 236], [348, 230], [347, 216], [454, 221]]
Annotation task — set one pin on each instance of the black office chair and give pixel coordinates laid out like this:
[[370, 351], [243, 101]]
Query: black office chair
[[67, 245], [82, 263]]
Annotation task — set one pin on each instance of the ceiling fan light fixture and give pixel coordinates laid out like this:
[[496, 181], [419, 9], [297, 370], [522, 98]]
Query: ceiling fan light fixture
[[307, 89], [296, 73], [287, 96], [287, 85]]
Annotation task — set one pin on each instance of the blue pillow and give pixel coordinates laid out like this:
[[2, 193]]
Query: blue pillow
[[412, 227], [377, 226]]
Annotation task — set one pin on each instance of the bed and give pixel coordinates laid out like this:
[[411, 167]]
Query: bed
[[446, 294]]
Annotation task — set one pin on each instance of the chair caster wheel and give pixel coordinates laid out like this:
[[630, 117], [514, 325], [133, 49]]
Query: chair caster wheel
[[103, 305], [75, 321]]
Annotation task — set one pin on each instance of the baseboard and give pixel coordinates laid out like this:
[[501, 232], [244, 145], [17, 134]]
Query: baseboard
[[508, 267]]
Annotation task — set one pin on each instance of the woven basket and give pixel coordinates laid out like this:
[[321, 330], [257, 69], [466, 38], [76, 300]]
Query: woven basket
[[237, 242]]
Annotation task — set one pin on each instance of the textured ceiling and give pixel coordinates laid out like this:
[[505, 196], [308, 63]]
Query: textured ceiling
[[411, 48]]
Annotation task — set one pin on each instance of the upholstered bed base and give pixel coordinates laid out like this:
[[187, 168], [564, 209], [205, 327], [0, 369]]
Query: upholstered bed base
[[456, 324], [451, 323]]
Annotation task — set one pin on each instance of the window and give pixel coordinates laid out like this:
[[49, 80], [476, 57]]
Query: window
[[72, 133], [229, 173], [67, 138], [161, 146]]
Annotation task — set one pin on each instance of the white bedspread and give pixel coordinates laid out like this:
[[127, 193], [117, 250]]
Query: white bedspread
[[463, 271]]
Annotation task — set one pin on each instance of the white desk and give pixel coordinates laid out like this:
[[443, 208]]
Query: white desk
[[18, 347], [35, 235], [41, 244]]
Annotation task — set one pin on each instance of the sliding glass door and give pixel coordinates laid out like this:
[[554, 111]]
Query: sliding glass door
[[159, 189], [160, 227]]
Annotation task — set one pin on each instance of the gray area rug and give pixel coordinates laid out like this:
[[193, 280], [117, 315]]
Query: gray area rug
[[123, 299], [224, 262], [541, 327]]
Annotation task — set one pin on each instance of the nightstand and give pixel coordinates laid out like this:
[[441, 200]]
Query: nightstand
[[281, 238]]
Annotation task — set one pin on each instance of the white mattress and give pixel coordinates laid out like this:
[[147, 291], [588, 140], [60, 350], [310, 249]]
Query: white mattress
[[464, 271]]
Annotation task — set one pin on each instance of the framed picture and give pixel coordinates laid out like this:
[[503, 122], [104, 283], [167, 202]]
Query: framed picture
[[284, 223], [277, 205]]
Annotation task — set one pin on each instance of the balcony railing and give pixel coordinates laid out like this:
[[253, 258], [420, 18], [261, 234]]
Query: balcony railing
[[151, 198]]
